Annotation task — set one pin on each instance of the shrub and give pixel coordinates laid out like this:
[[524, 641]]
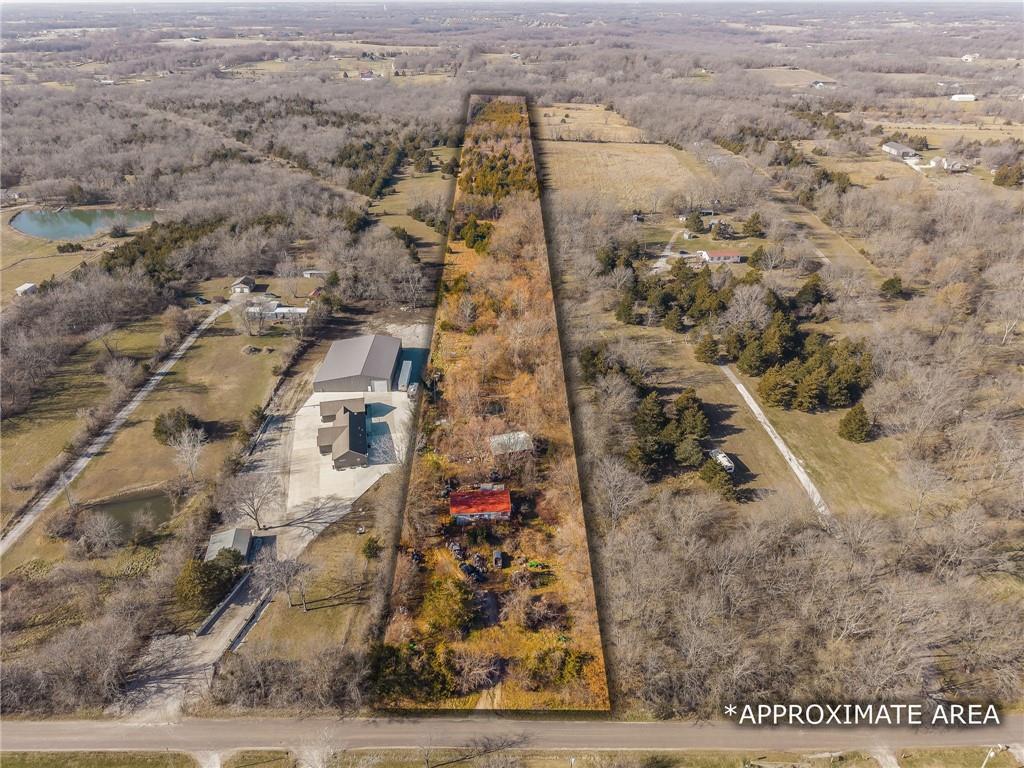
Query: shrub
[[169, 424], [203, 584], [448, 607], [1008, 175], [855, 425], [372, 548], [892, 288]]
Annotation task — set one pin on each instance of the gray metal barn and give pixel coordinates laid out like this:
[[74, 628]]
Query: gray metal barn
[[359, 364]]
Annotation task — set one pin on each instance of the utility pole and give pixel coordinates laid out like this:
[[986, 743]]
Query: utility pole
[[993, 752]]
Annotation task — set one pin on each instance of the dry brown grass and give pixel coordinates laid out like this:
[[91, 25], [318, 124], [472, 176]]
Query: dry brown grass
[[783, 77]]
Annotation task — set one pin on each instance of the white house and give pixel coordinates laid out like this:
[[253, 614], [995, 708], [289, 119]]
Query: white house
[[26, 289], [243, 285], [720, 257], [314, 273], [963, 97], [969, 57]]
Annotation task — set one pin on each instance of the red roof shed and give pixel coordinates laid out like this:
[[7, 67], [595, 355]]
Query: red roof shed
[[481, 505]]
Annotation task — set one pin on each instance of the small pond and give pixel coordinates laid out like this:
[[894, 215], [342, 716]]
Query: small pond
[[75, 223], [149, 510]]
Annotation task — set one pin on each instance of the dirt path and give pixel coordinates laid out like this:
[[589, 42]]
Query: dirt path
[[103, 438], [791, 459]]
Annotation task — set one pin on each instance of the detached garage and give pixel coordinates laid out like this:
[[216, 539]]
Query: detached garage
[[359, 364]]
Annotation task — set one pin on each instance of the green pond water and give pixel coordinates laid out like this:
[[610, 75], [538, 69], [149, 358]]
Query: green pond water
[[129, 512], [75, 223]]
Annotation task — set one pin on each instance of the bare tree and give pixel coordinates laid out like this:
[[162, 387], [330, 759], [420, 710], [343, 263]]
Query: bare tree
[[269, 573], [251, 497], [121, 374], [188, 448]]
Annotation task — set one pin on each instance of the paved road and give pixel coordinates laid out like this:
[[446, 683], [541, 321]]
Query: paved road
[[224, 735], [100, 441], [788, 455]]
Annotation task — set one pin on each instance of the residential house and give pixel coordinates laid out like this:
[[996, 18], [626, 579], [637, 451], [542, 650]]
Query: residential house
[[26, 289], [901, 151], [345, 439], [720, 257], [359, 364], [314, 273], [963, 97], [480, 506], [970, 57], [243, 285]]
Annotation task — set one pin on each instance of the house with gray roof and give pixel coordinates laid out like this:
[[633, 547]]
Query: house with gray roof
[[359, 364], [901, 151], [345, 439], [511, 443]]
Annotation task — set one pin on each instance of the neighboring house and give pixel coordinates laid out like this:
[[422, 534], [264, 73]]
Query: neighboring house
[[243, 285], [359, 364], [819, 84], [720, 257], [955, 166], [275, 310], [314, 273], [26, 289], [901, 151], [366, 75], [970, 57], [511, 443], [480, 506], [238, 539], [963, 97], [345, 440]]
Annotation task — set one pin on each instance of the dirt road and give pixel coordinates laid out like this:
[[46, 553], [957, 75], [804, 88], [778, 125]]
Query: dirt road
[[223, 735]]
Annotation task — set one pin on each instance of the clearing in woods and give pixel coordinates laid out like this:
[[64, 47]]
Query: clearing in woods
[[470, 628], [790, 77]]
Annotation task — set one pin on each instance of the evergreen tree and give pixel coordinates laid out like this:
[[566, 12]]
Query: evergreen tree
[[690, 415], [706, 350], [694, 222], [809, 390], [732, 343], [624, 310], [688, 452], [754, 225], [674, 320], [752, 360], [650, 418], [855, 425], [810, 293], [718, 479], [839, 387], [757, 257], [776, 388]]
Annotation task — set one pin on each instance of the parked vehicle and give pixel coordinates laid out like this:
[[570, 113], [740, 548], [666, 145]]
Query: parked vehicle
[[723, 459]]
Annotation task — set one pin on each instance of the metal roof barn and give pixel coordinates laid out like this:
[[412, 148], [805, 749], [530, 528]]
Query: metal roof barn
[[359, 364]]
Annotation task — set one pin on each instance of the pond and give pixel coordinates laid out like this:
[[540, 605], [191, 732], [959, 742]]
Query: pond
[[147, 511], [75, 223]]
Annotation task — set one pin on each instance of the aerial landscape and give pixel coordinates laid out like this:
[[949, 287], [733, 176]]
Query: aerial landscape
[[492, 385]]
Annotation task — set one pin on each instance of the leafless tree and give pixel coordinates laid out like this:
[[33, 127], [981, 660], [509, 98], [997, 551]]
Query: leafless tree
[[188, 448], [251, 497], [270, 573]]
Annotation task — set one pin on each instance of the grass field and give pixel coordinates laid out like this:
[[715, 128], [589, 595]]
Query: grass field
[[98, 760], [338, 596], [31, 440], [409, 188], [784, 77], [582, 122], [216, 381], [953, 758], [639, 176], [863, 171], [254, 758], [25, 259]]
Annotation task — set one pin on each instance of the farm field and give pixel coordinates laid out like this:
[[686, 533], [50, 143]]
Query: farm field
[[25, 259], [582, 122], [787, 77], [863, 171], [641, 176], [215, 380], [31, 440], [99, 760]]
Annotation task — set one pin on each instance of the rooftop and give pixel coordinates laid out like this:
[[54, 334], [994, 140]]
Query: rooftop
[[372, 356], [481, 502], [237, 539]]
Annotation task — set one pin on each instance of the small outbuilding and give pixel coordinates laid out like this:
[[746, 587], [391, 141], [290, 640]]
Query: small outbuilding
[[480, 506], [511, 444], [243, 285], [26, 289], [901, 151], [238, 539], [359, 364]]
